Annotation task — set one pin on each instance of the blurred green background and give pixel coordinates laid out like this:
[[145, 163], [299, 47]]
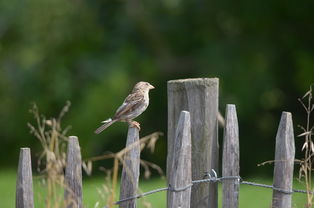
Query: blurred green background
[[93, 52]]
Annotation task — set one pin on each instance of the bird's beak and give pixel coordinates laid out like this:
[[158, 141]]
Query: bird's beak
[[151, 87]]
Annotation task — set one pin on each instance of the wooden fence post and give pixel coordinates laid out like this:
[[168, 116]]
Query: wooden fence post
[[24, 182], [131, 169], [230, 159], [73, 175], [200, 98], [180, 175], [284, 161]]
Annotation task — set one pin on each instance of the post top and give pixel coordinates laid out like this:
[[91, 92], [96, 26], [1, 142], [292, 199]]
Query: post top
[[192, 83], [286, 113], [215, 79]]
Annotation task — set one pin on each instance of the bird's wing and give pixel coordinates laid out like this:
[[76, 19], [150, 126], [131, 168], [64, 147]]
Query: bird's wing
[[131, 102]]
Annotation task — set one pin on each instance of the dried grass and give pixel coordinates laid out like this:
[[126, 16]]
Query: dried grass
[[52, 159], [305, 171], [149, 142]]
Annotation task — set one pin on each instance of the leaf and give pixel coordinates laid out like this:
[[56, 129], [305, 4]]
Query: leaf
[[96, 205], [301, 127], [305, 134], [312, 146], [87, 167], [304, 146], [306, 94]]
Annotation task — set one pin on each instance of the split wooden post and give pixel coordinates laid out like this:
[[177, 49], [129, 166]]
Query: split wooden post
[[200, 98], [230, 159], [284, 161], [180, 175], [24, 182], [131, 169], [73, 175]]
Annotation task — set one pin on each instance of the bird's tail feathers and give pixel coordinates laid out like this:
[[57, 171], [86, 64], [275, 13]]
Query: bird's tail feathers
[[106, 124], [107, 121]]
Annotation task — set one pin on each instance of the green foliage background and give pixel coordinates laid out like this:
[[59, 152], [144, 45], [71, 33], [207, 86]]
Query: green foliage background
[[92, 53]]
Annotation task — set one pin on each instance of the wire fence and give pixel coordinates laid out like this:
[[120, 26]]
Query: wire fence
[[212, 178]]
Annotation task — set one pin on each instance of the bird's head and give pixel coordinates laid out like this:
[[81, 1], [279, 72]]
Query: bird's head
[[143, 86]]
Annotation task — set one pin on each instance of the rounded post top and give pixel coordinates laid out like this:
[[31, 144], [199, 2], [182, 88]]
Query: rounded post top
[[184, 115], [73, 139], [286, 116], [286, 113], [231, 111], [231, 106], [192, 83], [193, 80], [185, 112]]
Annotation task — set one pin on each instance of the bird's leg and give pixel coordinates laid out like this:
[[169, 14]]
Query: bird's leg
[[134, 124]]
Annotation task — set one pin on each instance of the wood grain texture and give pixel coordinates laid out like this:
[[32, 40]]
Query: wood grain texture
[[180, 175], [24, 182], [231, 159], [284, 161], [73, 175], [200, 98], [131, 170]]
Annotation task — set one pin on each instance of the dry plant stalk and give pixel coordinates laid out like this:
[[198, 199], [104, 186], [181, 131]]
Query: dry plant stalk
[[149, 142], [52, 160], [308, 146]]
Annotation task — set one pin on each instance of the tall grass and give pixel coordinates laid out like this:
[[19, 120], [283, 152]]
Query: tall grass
[[306, 164], [52, 159], [149, 142]]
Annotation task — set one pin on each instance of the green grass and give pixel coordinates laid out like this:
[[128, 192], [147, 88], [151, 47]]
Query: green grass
[[7, 188], [249, 196]]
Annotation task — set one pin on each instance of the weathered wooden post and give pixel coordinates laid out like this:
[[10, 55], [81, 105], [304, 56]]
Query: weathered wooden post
[[73, 175], [284, 161], [180, 175], [200, 98], [131, 169], [24, 182], [230, 159]]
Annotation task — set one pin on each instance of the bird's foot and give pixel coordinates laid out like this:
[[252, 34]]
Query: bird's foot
[[135, 124]]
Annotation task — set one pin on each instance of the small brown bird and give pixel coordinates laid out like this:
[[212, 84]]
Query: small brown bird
[[134, 105]]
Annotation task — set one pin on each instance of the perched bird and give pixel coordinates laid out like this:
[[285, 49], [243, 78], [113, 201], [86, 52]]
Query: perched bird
[[133, 105]]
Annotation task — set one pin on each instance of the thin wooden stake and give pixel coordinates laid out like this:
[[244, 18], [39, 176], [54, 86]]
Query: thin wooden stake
[[284, 160], [73, 175], [230, 159], [200, 98], [24, 182], [131, 170], [180, 175]]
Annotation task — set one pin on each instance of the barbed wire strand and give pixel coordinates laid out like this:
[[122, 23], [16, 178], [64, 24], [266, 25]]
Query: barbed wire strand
[[212, 178]]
